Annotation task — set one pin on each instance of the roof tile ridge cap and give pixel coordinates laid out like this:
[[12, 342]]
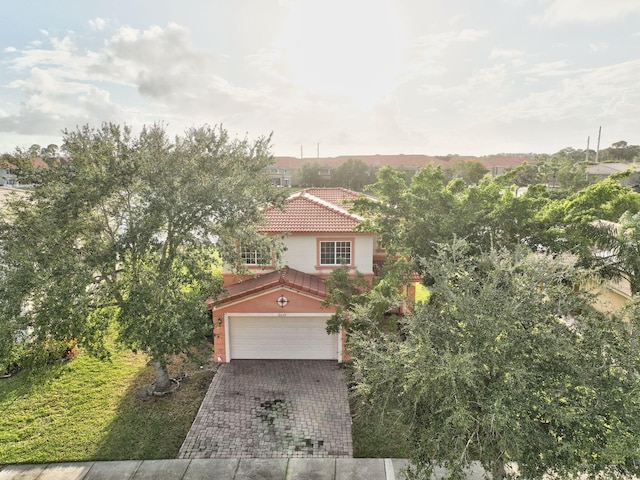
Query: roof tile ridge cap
[[299, 193], [284, 273], [332, 206]]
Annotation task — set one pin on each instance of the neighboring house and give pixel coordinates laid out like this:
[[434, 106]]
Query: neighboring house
[[410, 163], [280, 176], [612, 294], [277, 313], [600, 171], [7, 179]]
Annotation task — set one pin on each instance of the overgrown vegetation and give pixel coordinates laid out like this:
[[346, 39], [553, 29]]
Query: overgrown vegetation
[[507, 360]]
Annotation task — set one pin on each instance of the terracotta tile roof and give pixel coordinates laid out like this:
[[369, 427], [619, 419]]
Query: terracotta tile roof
[[313, 210], [337, 195], [288, 277]]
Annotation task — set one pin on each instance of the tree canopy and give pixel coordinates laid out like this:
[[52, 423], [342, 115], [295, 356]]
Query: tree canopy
[[353, 174], [123, 237], [471, 171], [507, 363], [308, 175], [413, 217]]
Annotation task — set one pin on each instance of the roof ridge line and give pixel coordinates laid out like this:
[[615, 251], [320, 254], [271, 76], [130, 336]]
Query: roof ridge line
[[284, 272], [330, 206]]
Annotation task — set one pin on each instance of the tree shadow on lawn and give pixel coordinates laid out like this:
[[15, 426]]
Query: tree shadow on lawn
[[148, 427]]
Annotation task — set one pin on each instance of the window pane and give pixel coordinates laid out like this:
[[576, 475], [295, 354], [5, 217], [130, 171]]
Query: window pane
[[335, 253], [343, 253], [327, 253], [253, 257]]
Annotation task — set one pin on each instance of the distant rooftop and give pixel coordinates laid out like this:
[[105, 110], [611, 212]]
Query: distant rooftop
[[409, 160], [611, 168]]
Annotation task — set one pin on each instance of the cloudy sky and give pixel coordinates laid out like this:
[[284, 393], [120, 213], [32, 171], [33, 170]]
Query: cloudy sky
[[354, 76]]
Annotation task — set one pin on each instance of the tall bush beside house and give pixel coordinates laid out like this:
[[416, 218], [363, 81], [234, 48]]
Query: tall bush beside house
[[509, 365]]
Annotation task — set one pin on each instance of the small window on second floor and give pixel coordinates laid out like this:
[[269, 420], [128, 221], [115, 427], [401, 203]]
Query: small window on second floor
[[255, 257], [335, 253]]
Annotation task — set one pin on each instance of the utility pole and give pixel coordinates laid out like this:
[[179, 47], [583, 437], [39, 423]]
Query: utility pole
[[318, 149], [586, 158], [301, 156], [598, 149]]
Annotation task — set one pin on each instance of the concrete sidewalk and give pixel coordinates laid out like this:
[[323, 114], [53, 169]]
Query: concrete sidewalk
[[214, 469]]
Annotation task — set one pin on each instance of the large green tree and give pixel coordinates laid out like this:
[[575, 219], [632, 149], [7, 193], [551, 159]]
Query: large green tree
[[508, 364], [353, 174], [413, 217], [471, 171], [123, 237], [574, 224], [308, 175]]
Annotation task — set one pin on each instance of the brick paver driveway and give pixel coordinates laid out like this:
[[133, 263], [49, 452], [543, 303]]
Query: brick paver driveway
[[272, 409]]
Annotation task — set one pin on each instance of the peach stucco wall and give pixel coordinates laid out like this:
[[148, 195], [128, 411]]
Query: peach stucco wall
[[265, 302]]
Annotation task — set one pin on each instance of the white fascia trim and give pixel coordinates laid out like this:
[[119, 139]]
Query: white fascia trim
[[227, 344], [267, 292]]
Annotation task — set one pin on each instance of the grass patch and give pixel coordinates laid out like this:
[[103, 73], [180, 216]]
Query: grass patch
[[422, 293], [87, 409], [377, 436]]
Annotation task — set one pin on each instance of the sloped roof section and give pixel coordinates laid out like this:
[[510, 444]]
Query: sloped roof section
[[313, 210], [338, 196], [287, 277], [611, 168]]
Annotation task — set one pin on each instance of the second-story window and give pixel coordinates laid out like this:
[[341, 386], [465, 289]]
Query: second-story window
[[254, 257], [335, 253]]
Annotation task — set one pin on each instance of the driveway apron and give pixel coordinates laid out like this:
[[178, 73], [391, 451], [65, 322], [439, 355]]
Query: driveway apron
[[273, 409]]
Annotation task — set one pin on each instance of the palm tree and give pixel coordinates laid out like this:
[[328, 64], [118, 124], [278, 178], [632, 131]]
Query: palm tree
[[618, 249]]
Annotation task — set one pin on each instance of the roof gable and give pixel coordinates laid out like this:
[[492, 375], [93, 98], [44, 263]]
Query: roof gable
[[313, 210], [287, 277]]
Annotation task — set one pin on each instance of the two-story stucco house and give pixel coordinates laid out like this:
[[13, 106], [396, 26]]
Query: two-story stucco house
[[277, 313]]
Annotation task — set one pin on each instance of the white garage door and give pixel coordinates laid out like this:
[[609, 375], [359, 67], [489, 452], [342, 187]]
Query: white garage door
[[274, 337]]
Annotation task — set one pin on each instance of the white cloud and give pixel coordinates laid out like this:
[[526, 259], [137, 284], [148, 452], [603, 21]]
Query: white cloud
[[550, 69], [63, 84], [506, 53], [424, 55], [518, 58], [598, 47], [561, 12], [604, 91], [449, 84], [97, 24]]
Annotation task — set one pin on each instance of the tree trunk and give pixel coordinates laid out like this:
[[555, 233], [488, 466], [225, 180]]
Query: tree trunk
[[500, 470], [163, 383]]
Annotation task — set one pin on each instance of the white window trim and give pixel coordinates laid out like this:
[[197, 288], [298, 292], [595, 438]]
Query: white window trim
[[335, 242]]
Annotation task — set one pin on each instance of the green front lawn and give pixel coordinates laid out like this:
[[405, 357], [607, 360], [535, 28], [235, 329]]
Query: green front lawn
[[87, 409]]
